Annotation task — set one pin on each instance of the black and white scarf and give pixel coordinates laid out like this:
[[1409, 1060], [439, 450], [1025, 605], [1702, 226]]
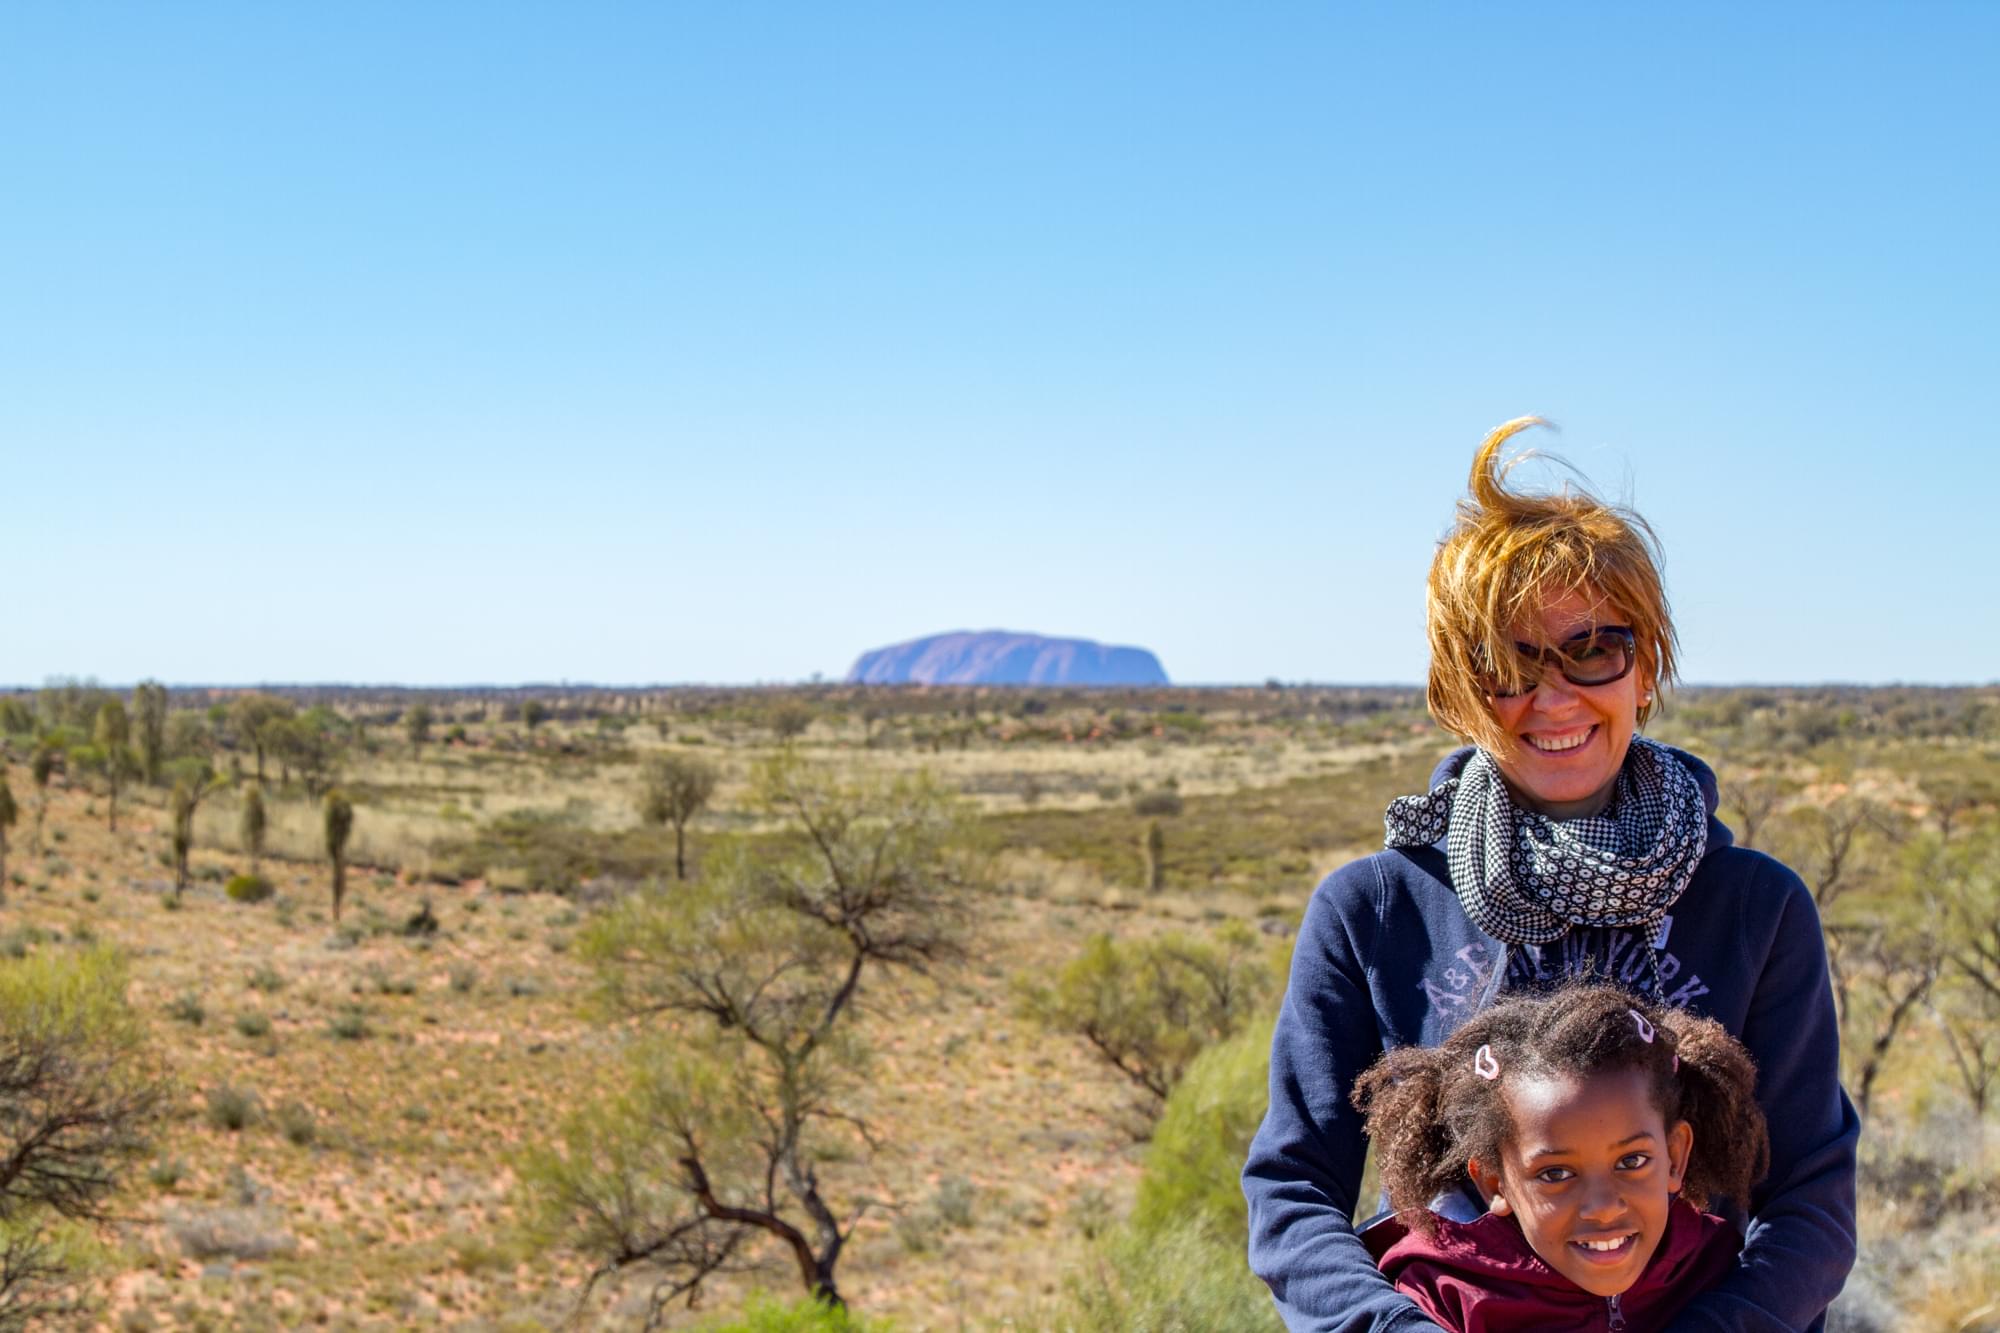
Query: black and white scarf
[[1525, 878]]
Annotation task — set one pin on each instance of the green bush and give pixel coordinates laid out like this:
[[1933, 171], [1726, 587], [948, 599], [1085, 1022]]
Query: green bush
[[253, 1023], [1203, 1136], [231, 1108], [297, 1124], [1150, 1006], [952, 1201], [1179, 1280], [248, 888], [166, 1172], [1178, 1266], [554, 851]]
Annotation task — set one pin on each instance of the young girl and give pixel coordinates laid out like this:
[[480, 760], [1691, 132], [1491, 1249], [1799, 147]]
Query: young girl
[[1594, 1124]]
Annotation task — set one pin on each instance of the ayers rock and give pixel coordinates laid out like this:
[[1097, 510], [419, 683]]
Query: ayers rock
[[999, 657]]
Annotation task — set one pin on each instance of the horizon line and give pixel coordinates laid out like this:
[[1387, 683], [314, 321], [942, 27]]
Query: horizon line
[[609, 687]]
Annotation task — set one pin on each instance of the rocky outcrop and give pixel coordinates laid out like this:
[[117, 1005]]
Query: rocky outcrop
[[997, 657]]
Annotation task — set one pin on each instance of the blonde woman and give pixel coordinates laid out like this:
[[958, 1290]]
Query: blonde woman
[[1559, 843]]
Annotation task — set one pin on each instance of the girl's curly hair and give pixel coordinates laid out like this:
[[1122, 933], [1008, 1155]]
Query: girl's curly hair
[[1429, 1111]]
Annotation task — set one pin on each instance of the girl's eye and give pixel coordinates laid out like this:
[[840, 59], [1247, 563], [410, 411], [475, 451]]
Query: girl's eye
[[1634, 1161], [1554, 1175]]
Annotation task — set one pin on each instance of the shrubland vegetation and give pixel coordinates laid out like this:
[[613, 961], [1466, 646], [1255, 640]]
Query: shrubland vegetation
[[828, 1008], [80, 1093]]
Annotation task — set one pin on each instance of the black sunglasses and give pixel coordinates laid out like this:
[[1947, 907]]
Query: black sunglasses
[[1594, 657]]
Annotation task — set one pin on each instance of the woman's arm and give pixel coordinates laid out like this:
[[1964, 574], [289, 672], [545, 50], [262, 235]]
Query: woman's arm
[[1305, 1162], [1800, 1240]]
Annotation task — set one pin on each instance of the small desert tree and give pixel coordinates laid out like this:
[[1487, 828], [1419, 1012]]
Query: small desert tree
[[789, 720], [42, 767], [1969, 1021], [113, 740], [759, 969], [1753, 800], [308, 744], [250, 826], [1164, 801], [149, 718], [417, 726], [256, 719], [1148, 1007], [189, 736], [339, 824], [676, 788], [1887, 973], [70, 702], [79, 1097], [1836, 846], [1954, 791], [533, 713], [193, 778], [9, 813], [1153, 856], [181, 806], [1967, 890]]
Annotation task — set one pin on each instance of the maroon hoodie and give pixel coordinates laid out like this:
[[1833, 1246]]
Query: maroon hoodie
[[1481, 1277]]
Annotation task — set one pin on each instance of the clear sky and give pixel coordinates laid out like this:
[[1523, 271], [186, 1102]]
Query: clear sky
[[720, 342]]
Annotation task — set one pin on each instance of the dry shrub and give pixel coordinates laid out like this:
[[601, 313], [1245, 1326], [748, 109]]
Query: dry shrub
[[231, 1233]]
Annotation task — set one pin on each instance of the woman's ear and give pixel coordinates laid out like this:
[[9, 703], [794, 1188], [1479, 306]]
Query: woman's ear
[[1680, 1142], [1488, 1183]]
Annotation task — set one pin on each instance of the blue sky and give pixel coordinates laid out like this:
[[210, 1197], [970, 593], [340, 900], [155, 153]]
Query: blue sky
[[625, 343]]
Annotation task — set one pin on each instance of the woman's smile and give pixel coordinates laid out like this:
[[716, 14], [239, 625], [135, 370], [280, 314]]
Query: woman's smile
[[1557, 743]]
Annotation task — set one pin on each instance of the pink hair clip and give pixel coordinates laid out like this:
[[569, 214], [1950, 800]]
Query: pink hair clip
[[1645, 1028], [1484, 1065]]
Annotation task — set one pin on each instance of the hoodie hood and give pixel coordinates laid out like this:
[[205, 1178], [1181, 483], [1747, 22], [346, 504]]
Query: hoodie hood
[[1719, 835], [1482, 1277]]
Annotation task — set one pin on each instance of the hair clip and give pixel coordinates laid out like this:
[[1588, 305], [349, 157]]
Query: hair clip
[[1677, 1064], [1645, 1028], [1484, 1065]]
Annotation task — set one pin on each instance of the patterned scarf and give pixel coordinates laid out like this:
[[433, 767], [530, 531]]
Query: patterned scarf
[[1524, 878]]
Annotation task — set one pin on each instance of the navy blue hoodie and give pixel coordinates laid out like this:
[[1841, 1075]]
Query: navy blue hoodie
[[1386, 957]]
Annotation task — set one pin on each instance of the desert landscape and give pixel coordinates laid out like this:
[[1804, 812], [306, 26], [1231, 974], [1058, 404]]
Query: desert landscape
[[468, 1101], [690, 667]]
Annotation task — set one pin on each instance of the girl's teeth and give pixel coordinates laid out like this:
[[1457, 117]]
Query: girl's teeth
[[1604, 1244], [1567, 743]]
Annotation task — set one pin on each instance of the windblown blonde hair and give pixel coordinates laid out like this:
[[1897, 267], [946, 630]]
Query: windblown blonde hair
[[1510, 554]]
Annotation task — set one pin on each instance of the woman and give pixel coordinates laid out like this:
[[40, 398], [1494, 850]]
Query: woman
[[1561, 842]]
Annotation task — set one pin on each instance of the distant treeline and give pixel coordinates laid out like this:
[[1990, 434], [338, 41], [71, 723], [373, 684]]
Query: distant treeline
[[1804, 714]]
